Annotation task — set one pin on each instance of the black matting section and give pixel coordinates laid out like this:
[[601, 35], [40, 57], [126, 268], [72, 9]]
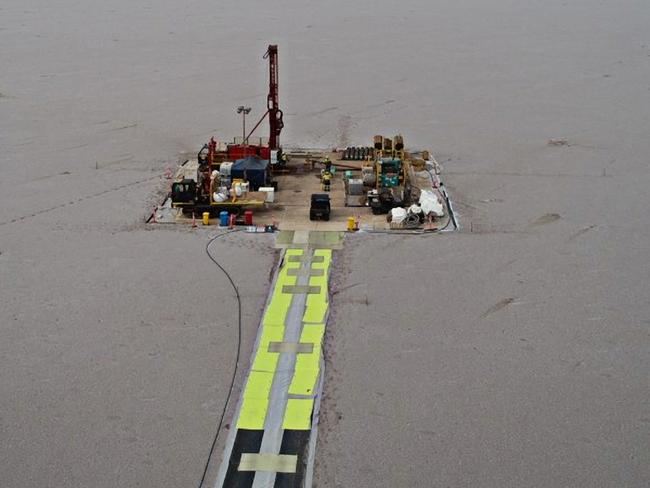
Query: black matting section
[[294, 442], [248, 441]]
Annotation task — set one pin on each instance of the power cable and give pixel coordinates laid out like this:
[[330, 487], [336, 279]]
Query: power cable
[[234, 373]]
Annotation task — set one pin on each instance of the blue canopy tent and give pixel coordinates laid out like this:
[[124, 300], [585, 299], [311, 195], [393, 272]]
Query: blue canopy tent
[[252, 169]]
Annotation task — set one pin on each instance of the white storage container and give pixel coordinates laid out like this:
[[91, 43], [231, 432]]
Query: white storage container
[[355, 186], [270, 193]]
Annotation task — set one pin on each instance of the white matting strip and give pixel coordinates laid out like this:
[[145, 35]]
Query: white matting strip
[[301, 237], [300, 289], [305, 272], [273, 463], [294, 347]]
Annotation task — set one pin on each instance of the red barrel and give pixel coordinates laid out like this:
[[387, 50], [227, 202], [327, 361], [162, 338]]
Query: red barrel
[[248, 217]]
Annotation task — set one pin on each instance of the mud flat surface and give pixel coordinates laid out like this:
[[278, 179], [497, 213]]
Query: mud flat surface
[[517, 352]]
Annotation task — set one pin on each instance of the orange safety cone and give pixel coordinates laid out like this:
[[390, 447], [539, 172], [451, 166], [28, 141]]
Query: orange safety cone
[[193, 221], [231, 221]]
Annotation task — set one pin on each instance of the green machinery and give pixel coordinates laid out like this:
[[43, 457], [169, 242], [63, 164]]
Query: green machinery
[[389, 188]]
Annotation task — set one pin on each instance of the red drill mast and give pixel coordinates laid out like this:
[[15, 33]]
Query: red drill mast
[[276, 124], [272, 101]]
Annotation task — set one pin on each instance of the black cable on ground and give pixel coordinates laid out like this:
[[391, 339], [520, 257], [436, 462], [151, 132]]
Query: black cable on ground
[[452, 216], [234, 373], [450, 212]]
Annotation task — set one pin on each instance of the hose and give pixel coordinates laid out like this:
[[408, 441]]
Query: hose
[[411, 220], [234, 373]]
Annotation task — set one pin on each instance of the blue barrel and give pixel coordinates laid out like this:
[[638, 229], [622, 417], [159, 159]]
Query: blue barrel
[[223, 218]]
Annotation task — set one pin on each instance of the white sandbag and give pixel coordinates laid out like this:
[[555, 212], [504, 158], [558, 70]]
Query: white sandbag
[[431, 204], [415, 209], [219, 197], [397, 214]]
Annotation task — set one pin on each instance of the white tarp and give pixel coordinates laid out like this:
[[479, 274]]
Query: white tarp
[[397, 215], [430, 203]]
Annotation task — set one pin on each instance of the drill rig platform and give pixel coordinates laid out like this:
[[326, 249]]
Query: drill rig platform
[[256, 173]]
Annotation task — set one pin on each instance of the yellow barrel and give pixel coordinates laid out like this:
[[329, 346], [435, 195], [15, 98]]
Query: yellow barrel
[[351, 223], [206, 218]]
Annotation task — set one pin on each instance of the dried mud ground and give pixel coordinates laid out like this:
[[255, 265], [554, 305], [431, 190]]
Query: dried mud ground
[[512, 353]]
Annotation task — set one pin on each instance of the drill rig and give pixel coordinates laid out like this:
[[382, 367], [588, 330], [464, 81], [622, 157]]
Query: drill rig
[[272, 151], [204, 182]]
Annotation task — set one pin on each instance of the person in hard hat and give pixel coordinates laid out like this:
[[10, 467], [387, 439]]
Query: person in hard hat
[[328, 165], [325, 180]]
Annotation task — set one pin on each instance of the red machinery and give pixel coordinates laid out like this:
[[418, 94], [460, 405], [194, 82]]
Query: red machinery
[[275, 114], [197, 194], [238, 151]]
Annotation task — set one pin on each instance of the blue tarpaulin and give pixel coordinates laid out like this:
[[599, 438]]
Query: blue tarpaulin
[[252, 169]]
